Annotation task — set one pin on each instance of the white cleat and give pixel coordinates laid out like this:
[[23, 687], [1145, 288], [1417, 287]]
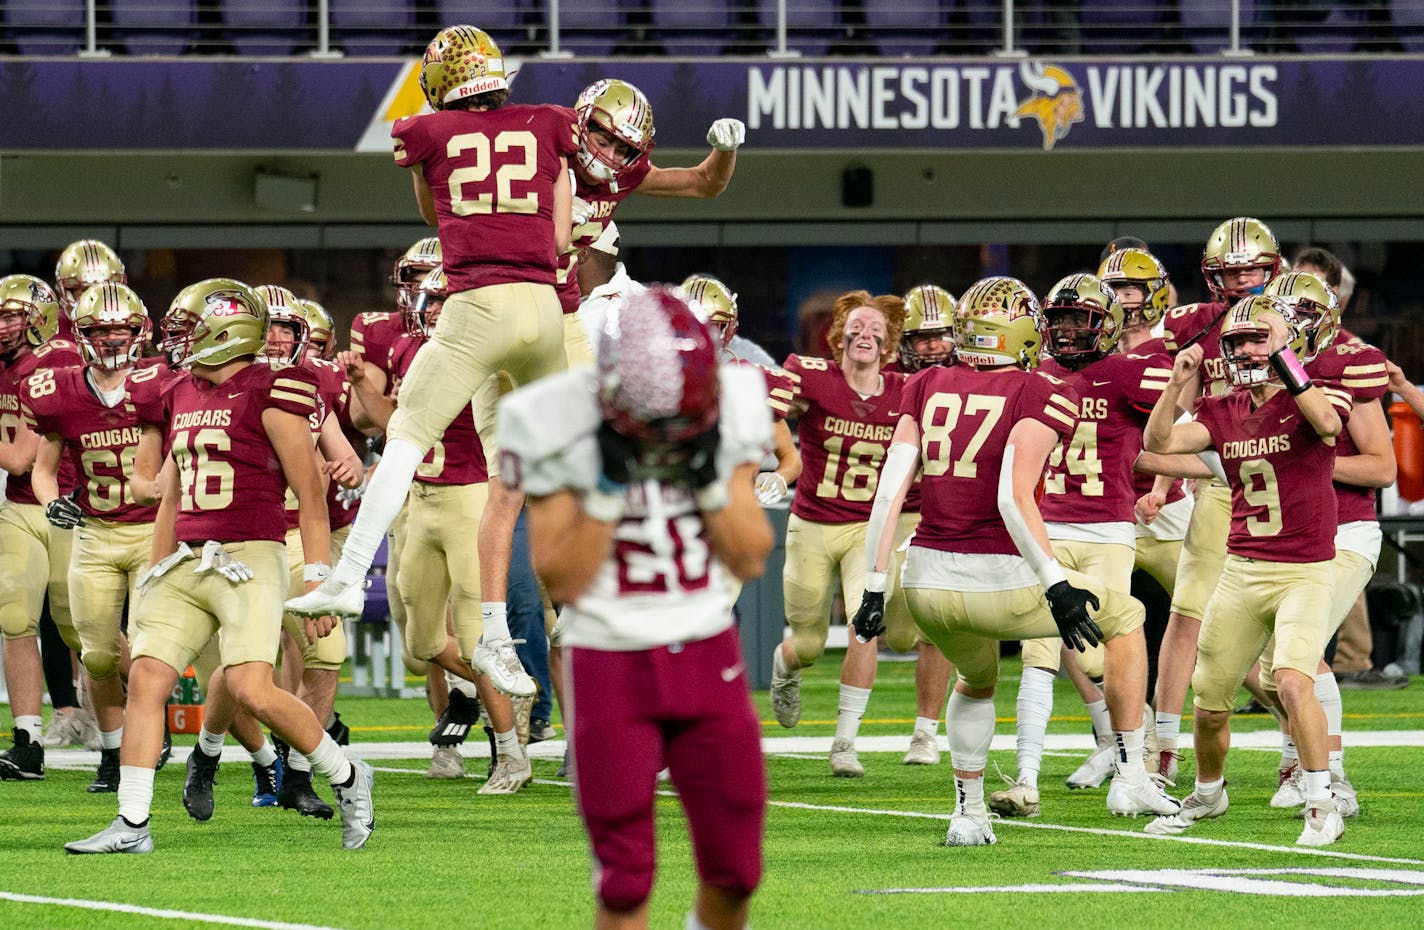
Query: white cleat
[[845, 763], [1018, 800], [924, 749], [969, 828], [497, 659], [1323, 826], [330, 599], [1291, 791], [1095, 770], [510, 774], [1346, 801], [1194, 808], [786, 696], [358, 808], [117, 837], [1129, 799], [71, 729], [446, 762]]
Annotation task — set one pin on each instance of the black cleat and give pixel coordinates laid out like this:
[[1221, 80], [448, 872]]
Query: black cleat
[[198, 785], [167, 752], [494, 749], [296, 794], [24, 761], [107, 778], [455, 721], [339, 731]]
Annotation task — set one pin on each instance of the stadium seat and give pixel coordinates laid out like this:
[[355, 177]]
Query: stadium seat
[[502, 19], [904, 27], [811, 25], [1407, 18], [1206, 24], [1112, 27], [592, 27], [1335, 34], [684, 28], [265, 27], [373, 27], [45, 27], [154, 27]]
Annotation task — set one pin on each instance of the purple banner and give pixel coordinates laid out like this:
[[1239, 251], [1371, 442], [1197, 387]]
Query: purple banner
[[301, 105]]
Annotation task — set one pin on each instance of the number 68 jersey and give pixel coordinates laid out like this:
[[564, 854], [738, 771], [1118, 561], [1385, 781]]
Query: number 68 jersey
[[660, 584]]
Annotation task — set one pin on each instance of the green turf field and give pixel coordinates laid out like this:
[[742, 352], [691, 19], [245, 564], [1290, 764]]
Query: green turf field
[[443, 857]]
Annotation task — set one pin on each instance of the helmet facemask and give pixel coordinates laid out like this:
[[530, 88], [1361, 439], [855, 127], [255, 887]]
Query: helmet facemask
[[1247, 362], [913, 358]]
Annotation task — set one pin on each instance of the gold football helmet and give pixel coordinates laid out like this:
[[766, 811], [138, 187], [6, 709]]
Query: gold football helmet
[[1247, 320], [620, 109], [1082, 320], [111, 305], [712, 302], [929, 311], [284, 309], [213, 322], [1140, 268], [37, 306], [82, 265], [1314, 306], [1238, 244], [424, 313], [460, 62], [421, 257], [996, 323], [321, 329]]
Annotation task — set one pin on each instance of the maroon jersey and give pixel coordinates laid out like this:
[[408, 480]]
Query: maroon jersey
[[458, 458], [1282, 497], [232, 485], [604, 199], [1200, 324], [1360, 371], [338, 514], [492, 174], [1089, 478], [100, 441], [55, 354], [331, 391], [373, 334]]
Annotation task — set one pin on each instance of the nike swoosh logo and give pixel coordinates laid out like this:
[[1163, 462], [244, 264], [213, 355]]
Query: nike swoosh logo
[[1101, 383], [1287, 419], [234, 396], [730, 674]]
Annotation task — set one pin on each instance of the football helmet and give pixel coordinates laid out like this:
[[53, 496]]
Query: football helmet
[[424, 313], [421, 256], [1245, 320], [321, 328], [1314, 306], [213, 322], [1139, 267], [460, 62], [82, 265], [109, 305], [929, 311], [25, 294], [1095, 324], [712, 302], [284, 308], [1238, 244], [620, 109], [996, 323], [657, 371]]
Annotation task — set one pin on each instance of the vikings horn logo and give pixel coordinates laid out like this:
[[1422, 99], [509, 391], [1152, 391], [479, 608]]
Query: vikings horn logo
[[1056, 101]]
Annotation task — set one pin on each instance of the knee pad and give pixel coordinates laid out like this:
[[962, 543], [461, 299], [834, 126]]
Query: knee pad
[[622, 888], [808, 645], [100, 663]]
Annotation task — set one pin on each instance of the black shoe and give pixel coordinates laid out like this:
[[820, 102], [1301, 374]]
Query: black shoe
[[339, 731], [107, 778], [296, 794], [540, 730], [282, 750], [24, 761], [455, 722], [1371, 679], [167, 752], [266, 779], [1252, 706], [198, 785]]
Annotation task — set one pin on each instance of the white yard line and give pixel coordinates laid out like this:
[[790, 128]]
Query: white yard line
[[161, 913]]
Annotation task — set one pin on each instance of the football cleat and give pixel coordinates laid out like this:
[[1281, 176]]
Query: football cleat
[[563, 771], [510, 774], [330, 599], [1346, 801], [522, 706], [1290, 790], [1323, 826], [540, 730], [1018, 800], [296, 793], [1194, 808], [69, 729], [446, 762], [1167, 760], [198, 784], [845, 763], [358, 809], [786, 696], [455, 720], [266, 780], [497, 659], [338, 731], [1128, 799], [107, 778], [24, 761], [924, 749], [117, 837], [970, 828], [1095, 769]]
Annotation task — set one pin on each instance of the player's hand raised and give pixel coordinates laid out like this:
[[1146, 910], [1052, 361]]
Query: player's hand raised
[[1186, 364]]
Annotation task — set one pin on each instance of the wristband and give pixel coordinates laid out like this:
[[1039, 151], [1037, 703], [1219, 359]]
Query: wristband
[[875, 582], [1291, 371], [315, 571], [604, 507]]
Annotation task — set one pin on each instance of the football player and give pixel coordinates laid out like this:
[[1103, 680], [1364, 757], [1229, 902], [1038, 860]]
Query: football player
[[80, 266], [980, 567], [239, 437], [321, 330], [1276, 435], [639, 477], [34, 554], [844, 408], [500, 236]]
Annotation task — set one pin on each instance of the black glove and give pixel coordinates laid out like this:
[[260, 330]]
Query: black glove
[[1070, 612], [702, 458], [869, 620], [64, 512], [619, 454]]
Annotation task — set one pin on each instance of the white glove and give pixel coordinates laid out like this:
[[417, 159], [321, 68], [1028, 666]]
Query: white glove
[[727, 134], [350, 497], [161, 567], [770, 488], [582, 211], [216, 559]]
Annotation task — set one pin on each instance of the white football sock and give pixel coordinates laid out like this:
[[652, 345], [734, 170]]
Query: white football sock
[[384, 497], [467, 688], [507, 743], [113, 739], [1127, 755], [1210, 789], [135, 793], [209, 742], [928, 725], [32, 724], [1169, 730], [328, 761], [850, 709], [1327, 692], [496, 622], [265, 755], [1317, 787], [1034, 706], [970, 725], [1289, 754], [1102, 721], [969, 793], [1337, 762], [298, 762]]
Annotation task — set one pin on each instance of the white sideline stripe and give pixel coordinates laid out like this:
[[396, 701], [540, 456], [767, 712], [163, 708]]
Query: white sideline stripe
[[191, 916], [1101, 831], [1016, 889]]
